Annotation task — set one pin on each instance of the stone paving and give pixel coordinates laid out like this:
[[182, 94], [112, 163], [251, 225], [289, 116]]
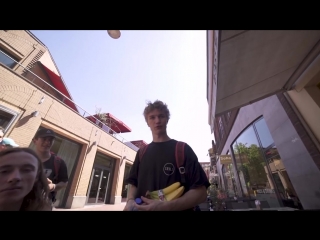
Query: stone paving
[[104, 207], [113, 207]]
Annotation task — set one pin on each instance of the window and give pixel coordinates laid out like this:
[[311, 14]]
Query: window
[[250, 164], [221, 130], [124, 185], [69, 152], [228, 115], [4, 59], [261, 172], [229, 180], [7, 117], [264, 133]]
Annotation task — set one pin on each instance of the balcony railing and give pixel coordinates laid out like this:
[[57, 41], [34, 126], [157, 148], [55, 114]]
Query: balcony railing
[[81, 112]]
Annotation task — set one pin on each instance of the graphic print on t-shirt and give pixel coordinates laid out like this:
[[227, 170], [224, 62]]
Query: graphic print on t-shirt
[[168, 169], [47, 171]]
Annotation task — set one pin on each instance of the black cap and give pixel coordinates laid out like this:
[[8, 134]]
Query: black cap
[[45, 132]]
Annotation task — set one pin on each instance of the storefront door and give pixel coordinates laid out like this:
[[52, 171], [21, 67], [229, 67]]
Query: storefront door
[[98, 187]]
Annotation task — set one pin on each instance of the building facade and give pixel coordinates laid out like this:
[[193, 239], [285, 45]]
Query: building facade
[[271, 132], [206, 166], [33, 95]]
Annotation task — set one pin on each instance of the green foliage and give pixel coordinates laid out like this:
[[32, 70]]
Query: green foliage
[[217, 196], [252, 165]]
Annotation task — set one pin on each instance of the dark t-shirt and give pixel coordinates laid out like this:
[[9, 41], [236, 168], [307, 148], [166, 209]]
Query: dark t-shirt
[[50, 171], [158, 168]]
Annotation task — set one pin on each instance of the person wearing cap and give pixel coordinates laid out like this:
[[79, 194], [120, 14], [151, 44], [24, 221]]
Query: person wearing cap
[[7, 143], [43, 141]]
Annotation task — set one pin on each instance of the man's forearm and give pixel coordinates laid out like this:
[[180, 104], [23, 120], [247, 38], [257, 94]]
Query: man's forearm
[[189, 200], [60, 186], [132, 191]]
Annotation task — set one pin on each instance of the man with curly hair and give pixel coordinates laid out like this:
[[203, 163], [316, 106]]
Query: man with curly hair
[[157, 168]]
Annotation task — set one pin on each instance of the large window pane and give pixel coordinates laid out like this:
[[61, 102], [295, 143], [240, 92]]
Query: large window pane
[[6, 60], [229, 180], [281, 179], [264, 133], [7, 117], [124, 185], [68, 151], [252, 169], [241, 171]]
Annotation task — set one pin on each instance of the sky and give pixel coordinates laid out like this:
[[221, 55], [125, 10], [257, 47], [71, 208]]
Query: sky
[[121, 75]]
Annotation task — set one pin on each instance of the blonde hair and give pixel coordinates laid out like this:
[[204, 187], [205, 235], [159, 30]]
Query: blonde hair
[[159, 105], [37, 199]]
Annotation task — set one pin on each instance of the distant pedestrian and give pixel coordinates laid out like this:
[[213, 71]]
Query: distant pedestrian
[[7, 143]]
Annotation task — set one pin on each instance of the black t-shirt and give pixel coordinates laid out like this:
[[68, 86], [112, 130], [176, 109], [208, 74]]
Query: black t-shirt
[[158, 168], [50, 171]]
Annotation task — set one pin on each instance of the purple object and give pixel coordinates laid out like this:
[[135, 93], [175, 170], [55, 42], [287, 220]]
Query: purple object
[[138, 201]]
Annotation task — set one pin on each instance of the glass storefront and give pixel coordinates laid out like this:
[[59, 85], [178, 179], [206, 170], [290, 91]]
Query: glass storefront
[[124, 185], [229, 180], [69, 151], [99, 190], [262, 175]]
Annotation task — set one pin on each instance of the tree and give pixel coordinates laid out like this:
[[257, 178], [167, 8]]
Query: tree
[[252, 165]]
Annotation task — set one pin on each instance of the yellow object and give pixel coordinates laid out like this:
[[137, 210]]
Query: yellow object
[[175, 194], [171, 188], [165, 191]]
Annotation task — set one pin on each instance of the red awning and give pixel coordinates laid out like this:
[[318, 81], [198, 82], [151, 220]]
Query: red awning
[[58, 84], [139, 143], [115, 124]]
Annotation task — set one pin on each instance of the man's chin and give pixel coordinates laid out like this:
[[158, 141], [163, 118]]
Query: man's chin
[[44, 150]]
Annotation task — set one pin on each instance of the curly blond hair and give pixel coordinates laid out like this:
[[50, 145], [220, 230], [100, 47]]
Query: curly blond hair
[[159, 105]]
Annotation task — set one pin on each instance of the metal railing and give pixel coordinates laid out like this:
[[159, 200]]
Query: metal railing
[[81, 112]]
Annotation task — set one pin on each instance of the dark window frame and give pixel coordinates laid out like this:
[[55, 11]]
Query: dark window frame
[[262, 152], [10, 56], [13, 118]]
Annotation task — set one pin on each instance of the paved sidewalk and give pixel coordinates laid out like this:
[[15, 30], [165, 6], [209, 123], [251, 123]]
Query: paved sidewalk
[[104, 207]]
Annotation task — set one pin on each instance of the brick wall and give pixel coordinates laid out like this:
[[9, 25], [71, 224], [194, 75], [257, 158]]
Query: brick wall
[[18, 94], [22, 45]]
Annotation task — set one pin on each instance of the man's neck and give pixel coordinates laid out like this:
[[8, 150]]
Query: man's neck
[[44, 156], [160, 137]]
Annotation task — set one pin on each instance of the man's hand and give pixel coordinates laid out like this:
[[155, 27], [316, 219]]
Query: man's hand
[[151, 205], [51, 185], [129, 205]]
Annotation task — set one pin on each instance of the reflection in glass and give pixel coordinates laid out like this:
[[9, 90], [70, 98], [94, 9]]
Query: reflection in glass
[[264, 133], [124, 185], [286, 191], [229, 180], [103, 186], [94, 188], [99, 185], [251, 169], [6, 60]]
